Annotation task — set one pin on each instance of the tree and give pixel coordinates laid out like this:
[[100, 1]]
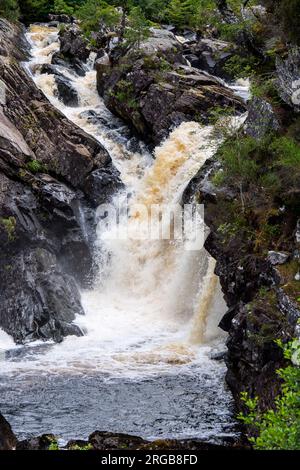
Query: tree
[[9, 9], [35, 10], [60, 6], [94, 13], [188, 13], [138, 28], [153, 9]]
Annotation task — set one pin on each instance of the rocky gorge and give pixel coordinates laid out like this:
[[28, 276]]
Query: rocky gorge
[[54, 175]]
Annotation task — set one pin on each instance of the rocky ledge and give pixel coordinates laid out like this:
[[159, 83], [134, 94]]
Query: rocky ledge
[[105, 441], [52, 175], [154, 88]]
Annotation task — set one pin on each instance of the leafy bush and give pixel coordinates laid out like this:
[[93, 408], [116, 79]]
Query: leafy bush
[[278, 428]]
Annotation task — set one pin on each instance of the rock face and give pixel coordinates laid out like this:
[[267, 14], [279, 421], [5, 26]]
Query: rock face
[[8, 440], [153, 90], [288, 78], [47, 167]]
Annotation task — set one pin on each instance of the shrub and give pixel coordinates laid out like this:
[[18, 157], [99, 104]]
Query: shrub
[[35, 166], [278, 428], [9, 225]]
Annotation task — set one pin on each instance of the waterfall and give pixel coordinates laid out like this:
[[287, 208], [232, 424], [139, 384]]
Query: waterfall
[[154, 292], [155, 302], [151, 317]]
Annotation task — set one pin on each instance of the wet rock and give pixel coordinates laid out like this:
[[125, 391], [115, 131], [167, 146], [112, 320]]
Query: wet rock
[[66, 93], [110, 441], [288, 81], [43, 442], [102, 184], [8, 440], [276, 257], [38, 300], [61, 18], [73, 44], [261, 119], [49, 69], [75, 65]]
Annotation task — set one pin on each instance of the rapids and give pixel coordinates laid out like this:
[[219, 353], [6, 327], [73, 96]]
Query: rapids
[[145, 363]]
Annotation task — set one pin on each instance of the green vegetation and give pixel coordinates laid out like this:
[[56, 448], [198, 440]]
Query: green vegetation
[[9, 225], [35, 166], [278, 428], [79, 447], [9, 9], [241, 67], [53, 446], [94, 13], [138, 28]]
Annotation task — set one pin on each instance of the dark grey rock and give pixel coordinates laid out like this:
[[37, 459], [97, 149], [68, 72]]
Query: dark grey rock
[[261, 119], [66, 93], [8, 440], [276, 257]]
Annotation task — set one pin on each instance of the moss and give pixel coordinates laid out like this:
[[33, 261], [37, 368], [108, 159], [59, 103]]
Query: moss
[[288, 273], [79, 447]]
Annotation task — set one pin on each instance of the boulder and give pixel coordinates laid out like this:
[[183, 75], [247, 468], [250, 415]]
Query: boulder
[[210, 55], [61, 18], [261, 119], [74, 64], [8, 440], [113, 441], [74, 50], [73, 45], [66, 93], [276, 257], [43, 442], [161, 41]]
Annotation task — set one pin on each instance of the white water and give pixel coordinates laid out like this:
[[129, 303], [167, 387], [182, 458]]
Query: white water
[[156, 307]]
